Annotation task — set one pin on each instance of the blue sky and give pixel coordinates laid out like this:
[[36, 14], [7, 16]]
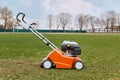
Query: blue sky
[[39, 9]]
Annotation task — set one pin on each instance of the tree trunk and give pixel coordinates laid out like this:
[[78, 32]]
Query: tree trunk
[[50, 28], [63, 29], [104, 30], [112, 28], [119, 29], [107, 28], [57, 28], [5, 25], [93, 30], [81, 27]]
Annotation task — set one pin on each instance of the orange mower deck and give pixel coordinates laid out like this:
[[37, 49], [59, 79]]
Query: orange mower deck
[[59, 60]]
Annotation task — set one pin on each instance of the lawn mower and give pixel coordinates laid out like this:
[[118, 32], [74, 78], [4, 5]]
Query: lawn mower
[[65, 58]]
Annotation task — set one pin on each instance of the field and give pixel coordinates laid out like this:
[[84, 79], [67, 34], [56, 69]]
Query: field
[[22, 53]]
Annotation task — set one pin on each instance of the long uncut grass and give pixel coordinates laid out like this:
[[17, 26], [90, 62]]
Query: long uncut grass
[[21, 55]]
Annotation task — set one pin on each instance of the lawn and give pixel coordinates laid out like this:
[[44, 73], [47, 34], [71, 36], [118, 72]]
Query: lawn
[[22, 53]]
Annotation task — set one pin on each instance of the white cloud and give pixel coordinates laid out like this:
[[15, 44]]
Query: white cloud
[[73, 7]]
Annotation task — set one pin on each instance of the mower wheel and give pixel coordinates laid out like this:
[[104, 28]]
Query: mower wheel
[[47, 64], [78, 65]]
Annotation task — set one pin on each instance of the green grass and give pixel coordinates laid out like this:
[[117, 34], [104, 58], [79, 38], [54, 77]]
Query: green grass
[[21, 55]]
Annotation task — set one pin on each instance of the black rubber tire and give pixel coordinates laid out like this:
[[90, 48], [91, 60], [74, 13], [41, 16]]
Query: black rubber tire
[[78, 65], [47, 64]]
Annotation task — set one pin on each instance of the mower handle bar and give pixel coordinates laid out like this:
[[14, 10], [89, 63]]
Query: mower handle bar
[[39, 35], [23, 16]]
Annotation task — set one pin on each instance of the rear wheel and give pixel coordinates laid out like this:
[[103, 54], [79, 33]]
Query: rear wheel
[[47, 64], [78, 65]]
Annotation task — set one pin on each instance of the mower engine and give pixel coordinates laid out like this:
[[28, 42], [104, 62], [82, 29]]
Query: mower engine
[[70, 48]]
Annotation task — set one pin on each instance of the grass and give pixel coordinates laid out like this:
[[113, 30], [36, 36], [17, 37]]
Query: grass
[[21, 54]]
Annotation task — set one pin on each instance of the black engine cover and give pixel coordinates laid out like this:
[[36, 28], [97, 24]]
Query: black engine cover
[[72, 47]]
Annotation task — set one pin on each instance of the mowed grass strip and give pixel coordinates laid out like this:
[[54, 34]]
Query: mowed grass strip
[[21, 54]]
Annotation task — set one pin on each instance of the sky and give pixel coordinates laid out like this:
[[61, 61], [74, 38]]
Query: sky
[[38, 10]]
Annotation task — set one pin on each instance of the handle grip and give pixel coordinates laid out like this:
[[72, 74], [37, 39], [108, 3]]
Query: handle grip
[[23, 16]]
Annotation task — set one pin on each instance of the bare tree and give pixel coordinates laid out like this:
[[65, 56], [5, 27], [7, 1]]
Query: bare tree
[[118, 21], [50, 21], [6, 15], [112, 16], [99, 23], [65, 19], [57, 21], [105, 20], [92, 22], [82, 20]]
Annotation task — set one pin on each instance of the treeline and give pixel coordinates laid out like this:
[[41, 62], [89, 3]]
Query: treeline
[[109, 21]]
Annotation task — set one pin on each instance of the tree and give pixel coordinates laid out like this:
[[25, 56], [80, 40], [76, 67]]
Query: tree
[[92, 22], [112, 16], [82, 20], [15, 24], [65, 18], [98, 23], [50, 21], [105, 20], [118, 21], [6, 15], [57, 21]]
